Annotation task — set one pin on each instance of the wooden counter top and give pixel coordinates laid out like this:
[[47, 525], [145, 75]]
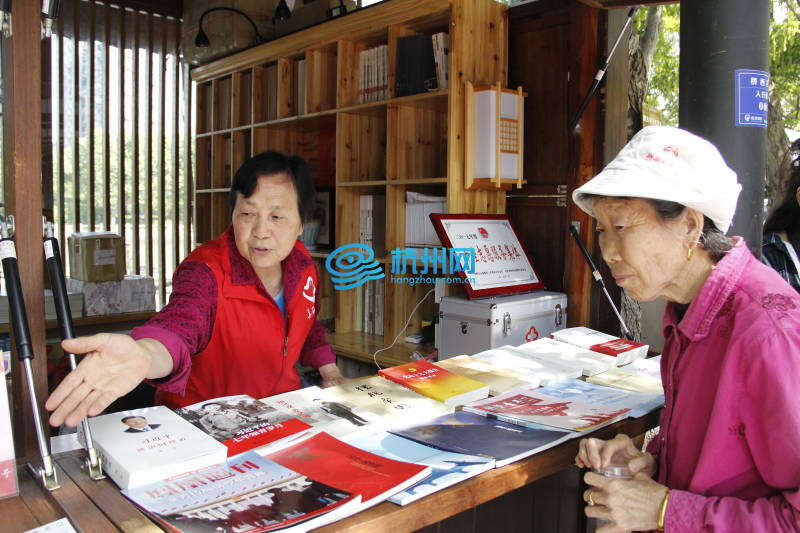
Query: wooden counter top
[[98, 506]]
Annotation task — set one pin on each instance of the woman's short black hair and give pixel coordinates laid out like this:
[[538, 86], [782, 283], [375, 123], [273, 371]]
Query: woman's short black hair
[[270, 163], [786, 215]]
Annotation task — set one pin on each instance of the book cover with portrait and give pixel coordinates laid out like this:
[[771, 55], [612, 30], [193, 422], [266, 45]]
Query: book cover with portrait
[[241, 422], [144, 445]]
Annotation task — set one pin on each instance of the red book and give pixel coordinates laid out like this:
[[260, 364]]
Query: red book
[[333, 462], [435, 382]]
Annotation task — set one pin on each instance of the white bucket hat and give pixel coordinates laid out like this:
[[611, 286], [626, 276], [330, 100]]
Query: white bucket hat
[[665, 163]]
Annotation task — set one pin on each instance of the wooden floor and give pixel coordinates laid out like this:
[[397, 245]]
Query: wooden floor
[[541, 493]]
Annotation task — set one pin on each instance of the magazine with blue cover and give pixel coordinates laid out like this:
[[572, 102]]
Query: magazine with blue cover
[[248, 493], [473, 434], [447, 468], [639, 403]]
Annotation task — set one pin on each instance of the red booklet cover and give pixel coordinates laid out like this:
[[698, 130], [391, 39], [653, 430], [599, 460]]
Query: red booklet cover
[[437, 383], [333, 462]]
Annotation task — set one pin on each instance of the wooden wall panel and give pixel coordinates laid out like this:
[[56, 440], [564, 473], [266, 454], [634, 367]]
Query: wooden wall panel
[[22, 173]]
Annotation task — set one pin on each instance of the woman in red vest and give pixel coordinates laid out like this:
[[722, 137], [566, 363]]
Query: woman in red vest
[[242, 310]]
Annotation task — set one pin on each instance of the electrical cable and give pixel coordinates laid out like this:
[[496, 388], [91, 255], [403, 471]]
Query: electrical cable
[[375, 355]]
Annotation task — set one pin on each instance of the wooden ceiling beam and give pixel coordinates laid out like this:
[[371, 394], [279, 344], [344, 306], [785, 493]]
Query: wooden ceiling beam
[[612, 4], [169, 8]]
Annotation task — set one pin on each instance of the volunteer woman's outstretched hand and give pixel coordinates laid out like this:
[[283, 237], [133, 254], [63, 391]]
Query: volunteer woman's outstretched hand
[[114, 365]]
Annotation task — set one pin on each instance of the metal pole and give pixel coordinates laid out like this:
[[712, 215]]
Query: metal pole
[[724, 46]]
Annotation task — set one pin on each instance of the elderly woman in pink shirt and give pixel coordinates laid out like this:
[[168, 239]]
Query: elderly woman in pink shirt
[[727, 457]]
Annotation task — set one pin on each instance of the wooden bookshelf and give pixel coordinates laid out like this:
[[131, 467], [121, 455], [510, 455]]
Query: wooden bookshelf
[[247, 103]]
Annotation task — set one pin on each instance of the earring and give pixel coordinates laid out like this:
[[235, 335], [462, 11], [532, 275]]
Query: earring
[[689, 253]]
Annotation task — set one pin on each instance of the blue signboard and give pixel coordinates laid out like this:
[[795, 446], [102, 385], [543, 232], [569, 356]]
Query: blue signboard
[[752, 98]]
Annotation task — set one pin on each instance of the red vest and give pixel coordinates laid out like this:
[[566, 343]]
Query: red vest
[[252, 349]]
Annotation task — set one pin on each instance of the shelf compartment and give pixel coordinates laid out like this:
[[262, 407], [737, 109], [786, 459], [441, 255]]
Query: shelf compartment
[[240, 149], [361, 146], [265, 92], [202, 218], [221, 104], [242, 83], [280, 137], [321, 79], [202, 152], [419, 140], [221, 161], [220, 213], [205, 110]]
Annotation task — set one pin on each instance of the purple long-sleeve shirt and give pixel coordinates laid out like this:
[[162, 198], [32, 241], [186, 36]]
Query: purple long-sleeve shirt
[[729, 445], [185, 324]]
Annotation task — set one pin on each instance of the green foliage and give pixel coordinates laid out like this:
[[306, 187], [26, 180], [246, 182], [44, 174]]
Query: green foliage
[[662, 88], [785, 58], [662, 93]]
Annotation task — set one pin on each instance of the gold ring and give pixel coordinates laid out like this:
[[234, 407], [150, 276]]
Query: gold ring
[[589, 499]]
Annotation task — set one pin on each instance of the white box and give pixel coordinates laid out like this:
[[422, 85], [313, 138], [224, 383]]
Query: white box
[[419, 228], [138, 294], [133, 293], [472, 326]]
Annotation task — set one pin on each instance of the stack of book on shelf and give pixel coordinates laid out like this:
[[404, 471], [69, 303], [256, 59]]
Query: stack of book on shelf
[[373, 79], [372, 232], [300, 86], [441, 56]]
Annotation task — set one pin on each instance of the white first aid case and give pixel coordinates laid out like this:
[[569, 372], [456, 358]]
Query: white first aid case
[[472, 326]]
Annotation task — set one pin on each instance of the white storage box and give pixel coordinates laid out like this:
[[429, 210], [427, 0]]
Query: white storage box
[[133, 293], [472, 326]]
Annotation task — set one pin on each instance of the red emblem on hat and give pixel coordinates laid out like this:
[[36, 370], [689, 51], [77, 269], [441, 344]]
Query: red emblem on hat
[[671, 150]]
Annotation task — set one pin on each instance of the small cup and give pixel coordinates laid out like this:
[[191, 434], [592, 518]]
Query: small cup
[[617, 468]]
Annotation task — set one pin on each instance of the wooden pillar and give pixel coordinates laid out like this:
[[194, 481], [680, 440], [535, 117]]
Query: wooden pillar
[[22, 159], [584, 157]]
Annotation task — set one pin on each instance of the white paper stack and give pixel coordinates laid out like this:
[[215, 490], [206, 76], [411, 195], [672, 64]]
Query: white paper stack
[[547, 372], [587, 361], [419, 228]]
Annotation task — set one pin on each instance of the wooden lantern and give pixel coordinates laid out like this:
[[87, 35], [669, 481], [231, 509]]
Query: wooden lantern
[[493, 151]]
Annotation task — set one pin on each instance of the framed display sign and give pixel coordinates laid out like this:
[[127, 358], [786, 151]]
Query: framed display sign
[[502, 265]]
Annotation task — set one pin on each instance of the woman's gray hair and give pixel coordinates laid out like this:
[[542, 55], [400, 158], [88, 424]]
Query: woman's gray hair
[[715, 242]]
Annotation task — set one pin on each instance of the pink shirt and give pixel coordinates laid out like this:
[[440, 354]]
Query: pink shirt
[[729, 444], [185, 324]]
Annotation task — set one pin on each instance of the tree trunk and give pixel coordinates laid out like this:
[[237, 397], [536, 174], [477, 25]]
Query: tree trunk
[[778, 161], [652, 32]]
